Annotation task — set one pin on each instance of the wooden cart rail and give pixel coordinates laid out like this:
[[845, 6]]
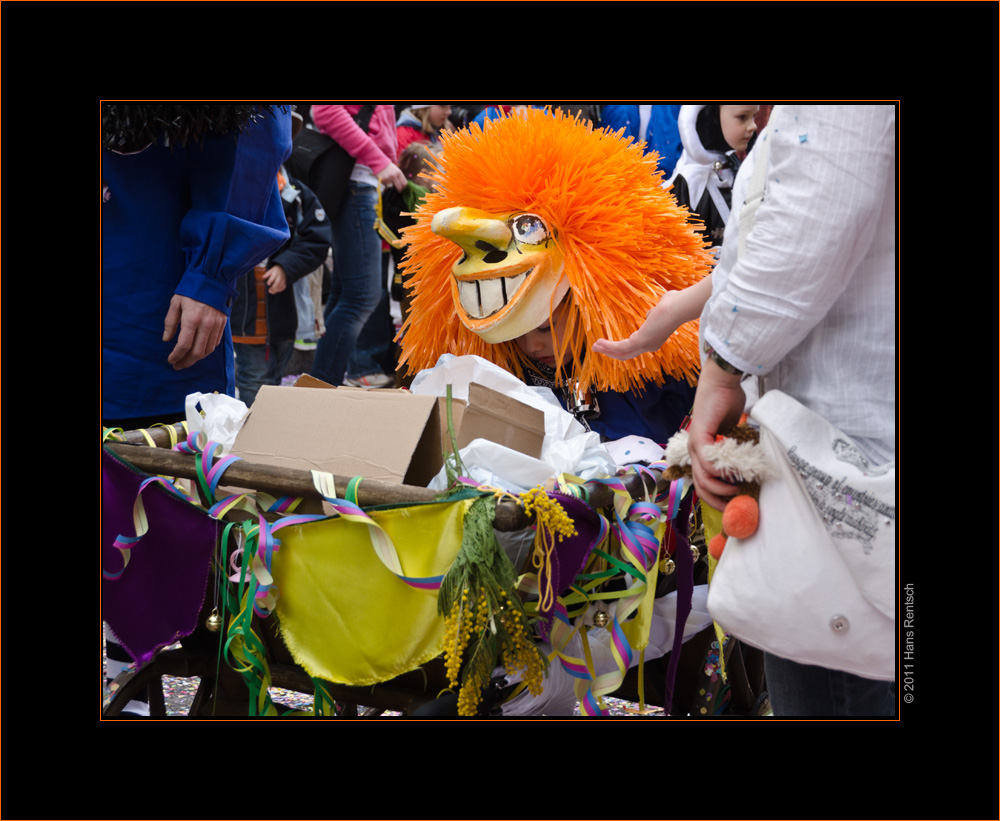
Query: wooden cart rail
[[299, 483], [223, 696]]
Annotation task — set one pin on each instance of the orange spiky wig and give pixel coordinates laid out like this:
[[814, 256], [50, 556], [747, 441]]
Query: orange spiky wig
[[534, 209]]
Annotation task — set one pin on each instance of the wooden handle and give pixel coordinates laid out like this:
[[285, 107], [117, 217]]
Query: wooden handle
[[295, 482]]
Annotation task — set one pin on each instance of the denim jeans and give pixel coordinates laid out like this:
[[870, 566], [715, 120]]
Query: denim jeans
[[306, 329], [375, 351], [258, 365], [356, 288], [805, 690]]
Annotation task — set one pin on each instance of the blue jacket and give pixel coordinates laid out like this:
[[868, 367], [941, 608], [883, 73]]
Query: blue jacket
[[657, 412], [662, 135], [188, 221]]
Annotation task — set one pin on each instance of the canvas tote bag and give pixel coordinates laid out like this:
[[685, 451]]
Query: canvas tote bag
[[817, 582]]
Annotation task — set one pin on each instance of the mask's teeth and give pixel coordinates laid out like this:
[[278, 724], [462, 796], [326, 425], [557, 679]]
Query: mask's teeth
[[481, 298], [513, 283], [468, 295], [491, 297]]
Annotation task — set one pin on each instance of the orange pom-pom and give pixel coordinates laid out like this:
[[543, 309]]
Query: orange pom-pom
[[716, 545], [741, 517]]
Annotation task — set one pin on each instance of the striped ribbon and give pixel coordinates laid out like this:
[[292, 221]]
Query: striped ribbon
[[638, 527], [243, 649], [383, 544], [140, 522], [209, 464], [210, 471], [581, 670], [257, 552]]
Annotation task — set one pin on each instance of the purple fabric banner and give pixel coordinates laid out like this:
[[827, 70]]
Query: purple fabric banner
[[159, 596], [571, 554]]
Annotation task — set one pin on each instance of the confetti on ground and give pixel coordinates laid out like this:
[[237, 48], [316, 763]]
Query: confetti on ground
[[178, 693]]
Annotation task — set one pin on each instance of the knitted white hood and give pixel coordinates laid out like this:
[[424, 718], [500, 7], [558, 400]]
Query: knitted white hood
[[696, 161]]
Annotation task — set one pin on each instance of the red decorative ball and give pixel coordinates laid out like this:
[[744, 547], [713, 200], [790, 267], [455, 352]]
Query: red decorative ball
[[716, 545], [741, 517]]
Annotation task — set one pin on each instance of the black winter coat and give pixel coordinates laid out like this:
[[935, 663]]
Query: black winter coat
[[304, 252], [713, 223]]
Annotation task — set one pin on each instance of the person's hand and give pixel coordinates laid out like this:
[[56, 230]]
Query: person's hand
[[666, 316], [661, 321], [391, 175], [200, 330], [718, 404], [276, 279]]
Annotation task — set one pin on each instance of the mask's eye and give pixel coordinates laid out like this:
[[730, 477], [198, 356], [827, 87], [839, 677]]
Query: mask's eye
[[529, 229]]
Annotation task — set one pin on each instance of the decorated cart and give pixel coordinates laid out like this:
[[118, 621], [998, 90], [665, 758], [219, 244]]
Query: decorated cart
[[402, 595]]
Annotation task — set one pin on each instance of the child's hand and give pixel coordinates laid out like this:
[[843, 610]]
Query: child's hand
[[276, 279], [666, 316], [661, 321]]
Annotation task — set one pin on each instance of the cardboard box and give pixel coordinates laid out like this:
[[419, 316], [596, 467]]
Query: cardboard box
[[392, 435]]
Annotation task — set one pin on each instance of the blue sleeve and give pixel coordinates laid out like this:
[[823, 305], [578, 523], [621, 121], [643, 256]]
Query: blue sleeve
[[616, 117], [491, 112], [665, 138], [236, 218]]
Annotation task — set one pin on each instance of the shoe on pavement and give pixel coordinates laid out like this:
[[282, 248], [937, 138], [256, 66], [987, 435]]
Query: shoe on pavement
[[371, 380]]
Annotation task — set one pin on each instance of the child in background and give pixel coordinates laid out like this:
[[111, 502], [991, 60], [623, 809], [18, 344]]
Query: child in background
[[309, 306], [422, 122], [261, 358], [713, 136]]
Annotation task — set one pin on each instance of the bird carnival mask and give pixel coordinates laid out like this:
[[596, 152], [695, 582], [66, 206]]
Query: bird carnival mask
[[539, 207]]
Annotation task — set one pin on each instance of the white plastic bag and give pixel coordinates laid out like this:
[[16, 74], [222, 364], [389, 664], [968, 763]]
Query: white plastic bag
[[568, 446], [222, 420]]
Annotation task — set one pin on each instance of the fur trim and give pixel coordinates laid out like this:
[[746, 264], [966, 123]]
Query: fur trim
[[131, 128], [742, 462], [676, 454]]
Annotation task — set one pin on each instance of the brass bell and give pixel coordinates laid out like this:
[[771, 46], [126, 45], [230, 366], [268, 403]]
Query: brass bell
[[695, 553], [600, 618], [669, 567], [214, 622]]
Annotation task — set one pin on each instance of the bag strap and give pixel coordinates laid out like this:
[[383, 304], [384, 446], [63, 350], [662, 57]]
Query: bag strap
[[364, 117], [719, 200]]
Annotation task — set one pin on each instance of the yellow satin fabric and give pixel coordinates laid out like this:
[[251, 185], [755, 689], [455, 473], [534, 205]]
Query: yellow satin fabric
[[344, 615]]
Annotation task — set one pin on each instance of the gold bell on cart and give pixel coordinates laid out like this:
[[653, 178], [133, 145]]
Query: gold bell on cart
[[214, 621]]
